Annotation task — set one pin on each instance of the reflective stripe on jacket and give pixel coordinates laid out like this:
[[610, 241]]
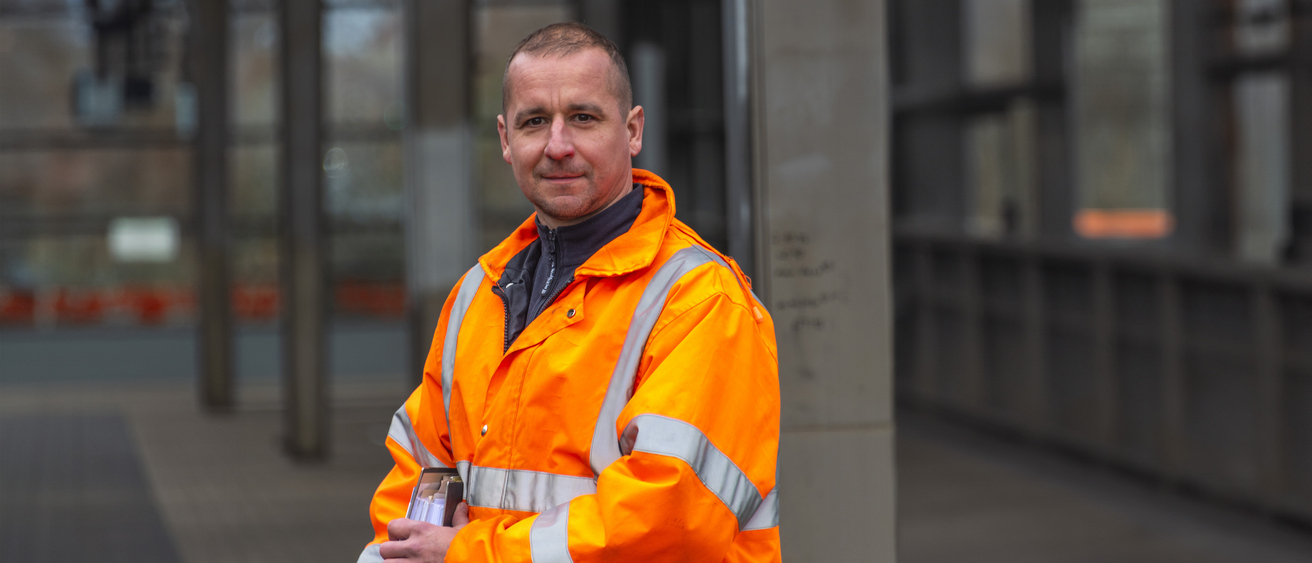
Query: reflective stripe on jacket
[[636, 419]]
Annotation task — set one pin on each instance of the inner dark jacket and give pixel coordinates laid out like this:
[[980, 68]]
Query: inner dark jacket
[[539, 273]]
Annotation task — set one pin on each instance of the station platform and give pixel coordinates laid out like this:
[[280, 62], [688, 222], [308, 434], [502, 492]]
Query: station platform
[[971, 495], [114, 471], [181, 485]]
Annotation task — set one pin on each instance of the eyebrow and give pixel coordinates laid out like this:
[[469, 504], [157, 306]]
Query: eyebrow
[[590, 108], [524, 114]]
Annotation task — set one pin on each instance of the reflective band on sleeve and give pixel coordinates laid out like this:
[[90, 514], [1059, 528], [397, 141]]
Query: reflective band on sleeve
[[662, 435], [371, 554], [468, 288], [522, 490], [404, 433], [548, 539], [605, 443], [767, 515]]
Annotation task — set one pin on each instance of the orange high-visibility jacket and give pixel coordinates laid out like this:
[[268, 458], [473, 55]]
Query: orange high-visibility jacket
[[635, 419]]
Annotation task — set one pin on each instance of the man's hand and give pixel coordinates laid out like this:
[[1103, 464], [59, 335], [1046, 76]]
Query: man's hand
[[421, 542]]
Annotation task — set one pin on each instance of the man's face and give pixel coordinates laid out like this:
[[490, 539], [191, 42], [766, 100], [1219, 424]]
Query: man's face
[[565, 135]]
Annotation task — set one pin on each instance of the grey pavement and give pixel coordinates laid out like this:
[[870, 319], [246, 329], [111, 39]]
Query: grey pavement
[[73, 489], [224, 489], [967, 495]]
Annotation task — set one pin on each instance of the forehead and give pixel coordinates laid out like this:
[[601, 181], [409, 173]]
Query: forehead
[[585, 76]]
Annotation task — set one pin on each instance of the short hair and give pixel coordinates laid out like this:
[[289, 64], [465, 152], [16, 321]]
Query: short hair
[[567, 38]]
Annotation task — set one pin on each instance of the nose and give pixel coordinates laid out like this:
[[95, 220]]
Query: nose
[[559, 146]]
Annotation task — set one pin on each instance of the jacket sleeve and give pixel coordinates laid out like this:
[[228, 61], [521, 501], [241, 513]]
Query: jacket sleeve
[[418, 438], [700, 442]]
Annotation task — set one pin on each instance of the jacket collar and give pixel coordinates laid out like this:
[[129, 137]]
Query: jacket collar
[[631, 251]]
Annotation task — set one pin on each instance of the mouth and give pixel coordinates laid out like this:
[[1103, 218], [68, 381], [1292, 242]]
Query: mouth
[[561, 178]]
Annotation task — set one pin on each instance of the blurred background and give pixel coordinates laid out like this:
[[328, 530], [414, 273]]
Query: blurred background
[[1101, 232]]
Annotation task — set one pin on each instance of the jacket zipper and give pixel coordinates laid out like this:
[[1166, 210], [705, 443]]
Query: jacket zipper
[[551, 275], [505, 315]]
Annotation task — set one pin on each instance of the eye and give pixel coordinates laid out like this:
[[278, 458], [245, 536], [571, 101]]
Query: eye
[[583, 117], [534, 121]]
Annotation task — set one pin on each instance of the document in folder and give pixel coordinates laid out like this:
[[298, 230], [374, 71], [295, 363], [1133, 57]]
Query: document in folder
[[436, 495]]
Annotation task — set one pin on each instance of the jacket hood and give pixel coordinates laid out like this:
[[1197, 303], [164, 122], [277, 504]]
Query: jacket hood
[[631, 251]]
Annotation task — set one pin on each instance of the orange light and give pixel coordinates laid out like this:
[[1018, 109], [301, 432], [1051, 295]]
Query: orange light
[[1124, 223]]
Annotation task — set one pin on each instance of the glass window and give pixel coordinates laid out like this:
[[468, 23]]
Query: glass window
[[999, 146], [1122, 130]]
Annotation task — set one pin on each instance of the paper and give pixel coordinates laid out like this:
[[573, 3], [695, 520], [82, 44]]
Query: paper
[[437, 489]]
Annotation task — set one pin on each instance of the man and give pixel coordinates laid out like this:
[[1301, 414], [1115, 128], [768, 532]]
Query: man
[[604, 381]]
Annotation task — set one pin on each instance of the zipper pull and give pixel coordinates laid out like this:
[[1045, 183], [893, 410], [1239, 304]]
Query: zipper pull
[[551, 242]]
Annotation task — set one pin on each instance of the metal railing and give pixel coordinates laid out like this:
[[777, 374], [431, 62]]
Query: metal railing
[[1193, 371]]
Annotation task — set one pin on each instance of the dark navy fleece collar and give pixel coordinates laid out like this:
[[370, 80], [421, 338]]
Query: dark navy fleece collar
[[579, 242], [536, 275]]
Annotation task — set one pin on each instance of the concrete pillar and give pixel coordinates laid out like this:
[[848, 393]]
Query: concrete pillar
[[821, 127], [209, 73], [303, 245], [442, 225]]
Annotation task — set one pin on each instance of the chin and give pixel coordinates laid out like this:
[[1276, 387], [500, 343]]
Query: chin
[[568, 208]]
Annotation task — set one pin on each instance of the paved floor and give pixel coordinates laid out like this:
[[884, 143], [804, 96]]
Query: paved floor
[[225, 493], [965, 495], [76, 477]]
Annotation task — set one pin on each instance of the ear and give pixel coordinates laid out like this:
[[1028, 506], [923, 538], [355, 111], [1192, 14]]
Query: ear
[[635, 122], [505, 143]]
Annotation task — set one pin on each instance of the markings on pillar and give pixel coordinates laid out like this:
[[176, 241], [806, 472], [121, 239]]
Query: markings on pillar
[[803, 304]]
